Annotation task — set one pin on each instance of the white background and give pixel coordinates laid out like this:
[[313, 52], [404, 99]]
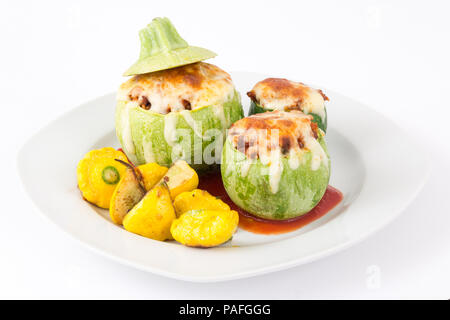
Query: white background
[[392, 55]]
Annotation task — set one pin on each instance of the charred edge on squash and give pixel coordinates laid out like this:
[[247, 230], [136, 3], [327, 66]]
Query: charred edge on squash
[[136, 172]]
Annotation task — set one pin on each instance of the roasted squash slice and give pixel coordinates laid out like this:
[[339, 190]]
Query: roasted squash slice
[[132, 188], [180, 178], [153, 215], [128, 193], [151, 173]]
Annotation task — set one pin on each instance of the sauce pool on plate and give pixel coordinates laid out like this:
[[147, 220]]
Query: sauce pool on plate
[[212, 183]]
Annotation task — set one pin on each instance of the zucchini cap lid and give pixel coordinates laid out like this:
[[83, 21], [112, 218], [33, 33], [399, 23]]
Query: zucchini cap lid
[[163, 48]]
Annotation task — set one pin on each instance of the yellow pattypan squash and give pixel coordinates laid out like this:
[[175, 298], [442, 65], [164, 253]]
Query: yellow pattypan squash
[[98, 174], [196, 200], [205, 228]]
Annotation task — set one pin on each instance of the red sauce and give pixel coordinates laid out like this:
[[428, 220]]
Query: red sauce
[[212, 182]]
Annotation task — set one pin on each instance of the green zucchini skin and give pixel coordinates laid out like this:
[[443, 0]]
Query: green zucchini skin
[[256, 108], [299, 189], [148, 139], [322, 124]]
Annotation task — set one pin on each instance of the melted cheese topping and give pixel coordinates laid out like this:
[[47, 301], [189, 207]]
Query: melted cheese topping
[[127, 139], [286, 95], [275, 170], [170, 126], [184, 88], [270, 136], [246, 167], [196, 127], [149, 156]]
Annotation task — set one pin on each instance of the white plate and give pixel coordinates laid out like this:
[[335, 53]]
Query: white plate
[[374, 163]]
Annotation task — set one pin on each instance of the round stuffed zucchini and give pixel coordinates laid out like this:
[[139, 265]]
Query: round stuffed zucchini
[[275, 165], [285, 95], [180, 113], [174, 107]]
